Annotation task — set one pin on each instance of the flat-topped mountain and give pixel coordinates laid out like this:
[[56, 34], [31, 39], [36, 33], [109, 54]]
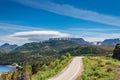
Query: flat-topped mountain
[[76, 40]]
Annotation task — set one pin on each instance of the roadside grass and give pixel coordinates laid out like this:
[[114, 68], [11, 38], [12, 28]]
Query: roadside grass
[[99, 68], [52, 69]]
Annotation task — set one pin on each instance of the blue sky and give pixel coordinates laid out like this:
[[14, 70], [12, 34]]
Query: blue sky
[[24, 21]]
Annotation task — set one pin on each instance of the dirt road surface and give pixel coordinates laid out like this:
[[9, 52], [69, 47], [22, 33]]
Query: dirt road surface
[[72, 71]]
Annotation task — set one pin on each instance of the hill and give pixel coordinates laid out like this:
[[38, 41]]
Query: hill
[[38, 51], [85, 50], [57, 45]]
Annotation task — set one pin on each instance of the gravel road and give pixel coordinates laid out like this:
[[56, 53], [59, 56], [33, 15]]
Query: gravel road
[[72, 71]]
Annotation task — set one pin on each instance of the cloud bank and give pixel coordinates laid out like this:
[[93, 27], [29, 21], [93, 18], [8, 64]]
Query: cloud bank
[[39, 35], [71, 11], [36, 36], [18, 34], [31, 36]]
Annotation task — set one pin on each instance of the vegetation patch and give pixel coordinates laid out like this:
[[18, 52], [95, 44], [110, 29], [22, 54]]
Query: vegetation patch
[[52, 69], [38, 70], [99, 68]]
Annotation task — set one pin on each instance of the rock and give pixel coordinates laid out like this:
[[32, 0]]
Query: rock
[[116, 52]]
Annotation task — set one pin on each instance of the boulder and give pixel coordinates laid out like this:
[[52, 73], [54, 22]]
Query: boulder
[[116, 52]]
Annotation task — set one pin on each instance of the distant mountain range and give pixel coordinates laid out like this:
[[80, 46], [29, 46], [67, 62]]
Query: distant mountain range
[[107, 42], [110, 41], [36, 50], [9, 46], [57, 43], [83, 42], [5, 48]]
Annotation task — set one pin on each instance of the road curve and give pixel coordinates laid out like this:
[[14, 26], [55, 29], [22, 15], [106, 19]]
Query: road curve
[[72, 71]]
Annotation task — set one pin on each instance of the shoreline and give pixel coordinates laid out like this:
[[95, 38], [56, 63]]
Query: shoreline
[[11, 66]]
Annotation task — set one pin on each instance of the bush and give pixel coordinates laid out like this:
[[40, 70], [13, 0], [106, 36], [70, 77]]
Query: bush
[[108, 63], [109, 69], [83, 77]]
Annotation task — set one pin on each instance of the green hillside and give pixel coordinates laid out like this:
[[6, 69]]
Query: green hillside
[[58, 45], [38, 51]]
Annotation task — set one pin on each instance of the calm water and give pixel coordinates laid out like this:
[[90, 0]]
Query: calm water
[[5, 69]]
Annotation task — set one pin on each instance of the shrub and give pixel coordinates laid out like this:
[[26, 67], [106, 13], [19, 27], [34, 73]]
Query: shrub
[[109, 69], [108, 63]]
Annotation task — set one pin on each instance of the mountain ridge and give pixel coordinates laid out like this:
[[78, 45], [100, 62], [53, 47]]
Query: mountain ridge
[[6, 47], [107, 42]]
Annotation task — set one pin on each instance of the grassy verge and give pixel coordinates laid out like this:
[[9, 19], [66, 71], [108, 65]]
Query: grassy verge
[[99, 68], [52, 69]]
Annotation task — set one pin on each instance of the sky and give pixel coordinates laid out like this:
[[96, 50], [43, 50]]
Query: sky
[[23, 21]]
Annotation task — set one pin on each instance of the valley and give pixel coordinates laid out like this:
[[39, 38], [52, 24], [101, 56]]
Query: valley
[[56, 59]]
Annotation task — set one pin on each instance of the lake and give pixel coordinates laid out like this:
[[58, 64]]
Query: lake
[[5, 69]]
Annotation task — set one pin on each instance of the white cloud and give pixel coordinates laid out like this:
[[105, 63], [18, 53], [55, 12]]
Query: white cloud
[[13, 27], [35, 36], [94, 34], [31, 36], [39, 34], [21, 35], [68, 10], [13, 40]]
